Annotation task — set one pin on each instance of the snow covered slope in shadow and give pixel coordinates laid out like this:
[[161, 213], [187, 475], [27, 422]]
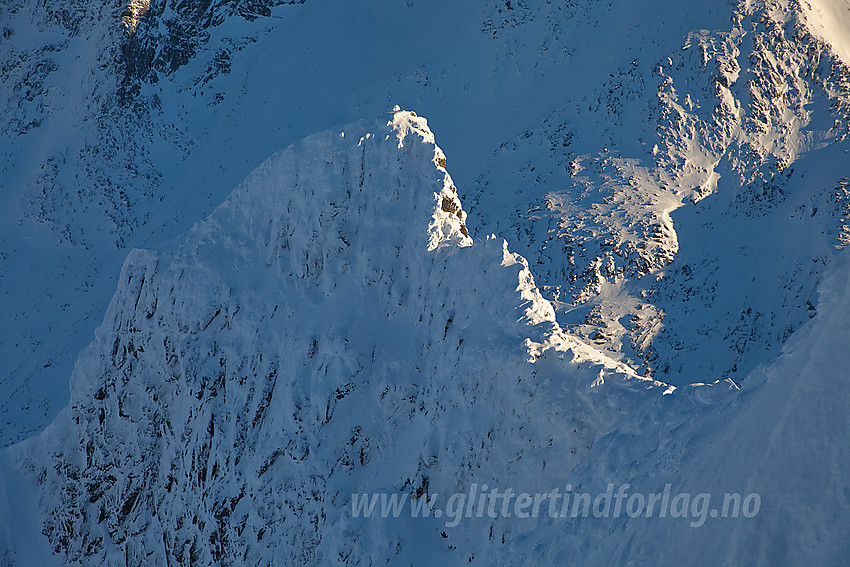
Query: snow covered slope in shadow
[[601, 131], [331, 328], [783, 437]]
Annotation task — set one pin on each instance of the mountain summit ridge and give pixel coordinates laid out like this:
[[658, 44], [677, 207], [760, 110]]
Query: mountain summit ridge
[[274, 360]]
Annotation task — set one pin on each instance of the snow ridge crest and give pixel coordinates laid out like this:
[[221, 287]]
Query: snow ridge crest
[[331, 315]]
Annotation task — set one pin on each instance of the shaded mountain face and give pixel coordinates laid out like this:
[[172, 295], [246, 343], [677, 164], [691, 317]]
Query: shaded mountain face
[[330, 329], [674, 175], [644, 158], [644, 164]]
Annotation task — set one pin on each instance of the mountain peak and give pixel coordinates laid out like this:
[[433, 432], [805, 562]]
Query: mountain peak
[[272, 361]]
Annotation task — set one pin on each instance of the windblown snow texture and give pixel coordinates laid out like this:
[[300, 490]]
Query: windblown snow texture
[[676, 177], [331, 328], [642, 156]]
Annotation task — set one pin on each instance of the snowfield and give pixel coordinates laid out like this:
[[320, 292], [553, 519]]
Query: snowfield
[[633, 284]]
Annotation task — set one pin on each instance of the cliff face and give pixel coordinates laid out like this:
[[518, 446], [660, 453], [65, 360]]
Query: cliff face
[[641, 157], [330, 329], [675, 176]]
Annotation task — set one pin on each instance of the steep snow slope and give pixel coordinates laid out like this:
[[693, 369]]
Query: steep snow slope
[[763, 142], [331, 328], [679, 188], [783, 436], [110, 140], [667, 243], [830, 21]]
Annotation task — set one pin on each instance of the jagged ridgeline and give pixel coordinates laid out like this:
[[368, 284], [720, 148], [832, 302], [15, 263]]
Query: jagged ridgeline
[[331, 328]]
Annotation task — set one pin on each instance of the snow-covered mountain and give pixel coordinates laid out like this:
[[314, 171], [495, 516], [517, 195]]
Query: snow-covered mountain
[[674, 175], [331, 328]]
